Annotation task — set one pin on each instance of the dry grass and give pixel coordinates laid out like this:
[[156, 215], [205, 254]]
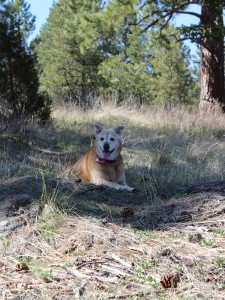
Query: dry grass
[[93, 249], [82, 258], [162, 149]]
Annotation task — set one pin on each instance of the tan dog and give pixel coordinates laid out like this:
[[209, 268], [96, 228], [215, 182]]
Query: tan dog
[[103, 163]]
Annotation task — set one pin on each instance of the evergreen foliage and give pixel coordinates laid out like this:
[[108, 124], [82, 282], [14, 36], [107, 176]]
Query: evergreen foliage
[[173, 82], [19, 97], [128, 71], [124, 47], [68, 71], [91, 47], [208, 33]]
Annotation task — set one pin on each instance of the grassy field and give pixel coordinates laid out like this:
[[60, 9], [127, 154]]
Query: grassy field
[[91, 243], [162, 149]]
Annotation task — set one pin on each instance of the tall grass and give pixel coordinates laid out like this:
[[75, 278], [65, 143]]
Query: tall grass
[[163, 149]]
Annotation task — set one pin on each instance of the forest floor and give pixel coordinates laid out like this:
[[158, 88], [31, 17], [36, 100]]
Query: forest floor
[[62, 239]]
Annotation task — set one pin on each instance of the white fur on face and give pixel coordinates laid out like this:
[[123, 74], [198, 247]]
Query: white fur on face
[[108, 142]]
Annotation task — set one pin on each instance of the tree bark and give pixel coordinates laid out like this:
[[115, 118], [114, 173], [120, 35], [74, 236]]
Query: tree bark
[[212, 98]]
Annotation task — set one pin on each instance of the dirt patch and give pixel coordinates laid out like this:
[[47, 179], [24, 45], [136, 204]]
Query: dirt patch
[[203, 208], [82, 199]]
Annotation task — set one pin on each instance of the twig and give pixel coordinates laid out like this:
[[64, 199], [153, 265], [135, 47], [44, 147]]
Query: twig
[[90, 263], [115, 271], [124, 263], [71, 271], [189, 223], [137, 250], [80, 275]]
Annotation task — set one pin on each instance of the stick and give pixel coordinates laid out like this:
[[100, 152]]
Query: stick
[[189, 223], [115, 271], [124, 263], [78, 274], [90, 263]]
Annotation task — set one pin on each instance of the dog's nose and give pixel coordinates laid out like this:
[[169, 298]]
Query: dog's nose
[[106, 147]]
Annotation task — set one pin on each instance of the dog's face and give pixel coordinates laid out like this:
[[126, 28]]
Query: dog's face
[[108, 142]]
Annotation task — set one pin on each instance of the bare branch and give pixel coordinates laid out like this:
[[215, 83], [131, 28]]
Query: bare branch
[[137, 23], [164, 25], [187, 13], [150, 25], [156, 21], [161, 17]]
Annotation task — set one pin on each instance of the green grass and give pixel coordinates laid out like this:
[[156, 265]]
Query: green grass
[[36, 267], [207, 242], [219, 261]]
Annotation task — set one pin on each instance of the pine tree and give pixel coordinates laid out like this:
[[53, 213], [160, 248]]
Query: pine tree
[[208, 34], [18, 77], [68, 71], [126, 69], [172, 80], [149, 65]]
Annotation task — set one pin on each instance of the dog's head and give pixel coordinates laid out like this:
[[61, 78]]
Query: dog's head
[[108, 141]]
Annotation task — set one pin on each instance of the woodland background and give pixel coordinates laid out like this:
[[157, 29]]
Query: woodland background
[[124, 51]]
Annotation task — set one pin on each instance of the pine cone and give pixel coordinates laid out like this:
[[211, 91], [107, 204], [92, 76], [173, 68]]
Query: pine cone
[[127, 212], [22, 267], [169, 281]]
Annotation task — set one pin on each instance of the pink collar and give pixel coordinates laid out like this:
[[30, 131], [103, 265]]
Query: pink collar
[[103, 160]]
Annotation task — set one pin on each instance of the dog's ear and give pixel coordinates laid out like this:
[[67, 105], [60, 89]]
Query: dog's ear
[[119, 129], [97, 128]]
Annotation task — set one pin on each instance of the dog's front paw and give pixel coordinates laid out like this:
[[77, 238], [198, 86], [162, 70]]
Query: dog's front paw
[[130, 189]]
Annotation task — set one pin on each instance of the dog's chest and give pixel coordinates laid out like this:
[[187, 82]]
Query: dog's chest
[[112, 171]]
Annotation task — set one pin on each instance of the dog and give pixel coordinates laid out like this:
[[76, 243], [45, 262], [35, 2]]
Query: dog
[[103, 163]]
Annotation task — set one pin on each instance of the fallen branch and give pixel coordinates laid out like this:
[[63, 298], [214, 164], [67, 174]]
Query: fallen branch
[[80, 275], [121, 261], [115, 271], [207, 222], [94, 262]]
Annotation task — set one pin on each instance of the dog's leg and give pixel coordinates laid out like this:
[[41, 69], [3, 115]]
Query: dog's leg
[[114, 185], [122, 181]]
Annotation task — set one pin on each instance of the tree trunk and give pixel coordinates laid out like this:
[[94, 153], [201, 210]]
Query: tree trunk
[[212, 63]]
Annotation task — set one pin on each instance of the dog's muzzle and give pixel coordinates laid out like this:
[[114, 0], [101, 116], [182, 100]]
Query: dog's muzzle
[[106, 147]]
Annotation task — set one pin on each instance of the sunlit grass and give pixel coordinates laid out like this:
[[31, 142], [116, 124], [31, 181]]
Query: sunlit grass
[[163, 149]]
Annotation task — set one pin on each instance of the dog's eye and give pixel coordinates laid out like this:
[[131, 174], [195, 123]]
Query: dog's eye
[[102, 139], [112, 139]]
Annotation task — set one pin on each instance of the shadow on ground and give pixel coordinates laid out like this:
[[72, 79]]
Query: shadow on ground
[[144, 209], [109, 205]]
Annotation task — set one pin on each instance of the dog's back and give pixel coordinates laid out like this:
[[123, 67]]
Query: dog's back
[[82, 167]]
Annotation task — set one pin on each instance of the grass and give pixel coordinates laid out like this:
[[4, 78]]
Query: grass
[[219, 261], [82, 229], [162, 149]]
